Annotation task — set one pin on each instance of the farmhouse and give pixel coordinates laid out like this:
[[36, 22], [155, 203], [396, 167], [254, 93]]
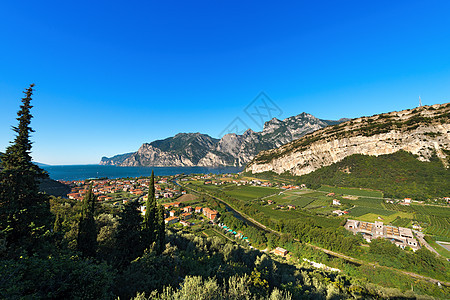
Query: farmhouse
[[185, 223], [186, 216], [188, 209], [280, 251], [336, 202], [210, 213], [339, 212], [171, 220]]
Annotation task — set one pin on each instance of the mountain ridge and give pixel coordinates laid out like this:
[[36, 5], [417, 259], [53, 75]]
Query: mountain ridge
[[197, 149], [421, 131]]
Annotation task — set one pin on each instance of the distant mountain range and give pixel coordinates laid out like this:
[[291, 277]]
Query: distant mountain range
[[197, 149]]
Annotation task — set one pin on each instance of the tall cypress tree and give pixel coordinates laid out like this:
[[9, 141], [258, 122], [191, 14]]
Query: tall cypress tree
[[128, 236], [87, 231], [24, 211], [150, 222], [161, 229]]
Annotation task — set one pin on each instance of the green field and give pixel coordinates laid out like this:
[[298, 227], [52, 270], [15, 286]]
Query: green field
[[244, 192], [399, 207], [359, 211], [351, 191], [319, 203], [298, 198], [365, 202], [401, 222], [211, 232]]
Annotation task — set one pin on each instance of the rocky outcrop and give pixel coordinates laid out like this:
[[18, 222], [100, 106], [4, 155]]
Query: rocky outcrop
[[424, 131], [196, 149]]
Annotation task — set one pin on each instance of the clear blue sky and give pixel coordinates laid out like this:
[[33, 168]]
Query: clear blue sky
[[111, 75]]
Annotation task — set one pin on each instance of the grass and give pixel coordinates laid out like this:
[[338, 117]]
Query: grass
[[401, 222], [372, 217], [211, 232], [440, 249], [277, 214], [249, 192], [439, 211], [297, 198], [319, 203], [398, 207], [351, 191], [361, 210]]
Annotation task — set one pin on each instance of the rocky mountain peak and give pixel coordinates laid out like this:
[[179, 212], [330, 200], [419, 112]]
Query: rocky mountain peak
[[197, 149], [423, 131]]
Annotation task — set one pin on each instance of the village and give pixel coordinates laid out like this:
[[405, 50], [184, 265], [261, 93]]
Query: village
[[178, 211], [109, 189]]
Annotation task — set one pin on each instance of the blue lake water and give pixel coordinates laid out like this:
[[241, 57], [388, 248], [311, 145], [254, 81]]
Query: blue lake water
[[80, 172]]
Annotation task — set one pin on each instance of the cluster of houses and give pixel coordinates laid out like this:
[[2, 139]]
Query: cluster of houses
[[104, 188], [220, 179], [282, 206], [176, 213], [400, 236]]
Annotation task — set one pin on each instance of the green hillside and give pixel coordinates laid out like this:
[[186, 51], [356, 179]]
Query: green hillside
[[398, 175]]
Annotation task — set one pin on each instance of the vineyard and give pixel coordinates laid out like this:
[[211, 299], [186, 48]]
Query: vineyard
[[351, 191], [434, 225]]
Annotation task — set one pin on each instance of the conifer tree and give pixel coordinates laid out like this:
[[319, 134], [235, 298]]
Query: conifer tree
[[128, 236], [150, 221], [87, 231], [161, 229], [24, 211], [58, 223]]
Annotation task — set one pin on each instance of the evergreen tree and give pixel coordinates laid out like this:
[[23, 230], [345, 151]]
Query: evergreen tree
[[24, 211], [128, 237], [161, 229], [87, 231], [150, 221], [58, 223]]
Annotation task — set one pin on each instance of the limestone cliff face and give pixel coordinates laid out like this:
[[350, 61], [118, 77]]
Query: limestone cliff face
[[422, 131], [196, 149], [149, 155]]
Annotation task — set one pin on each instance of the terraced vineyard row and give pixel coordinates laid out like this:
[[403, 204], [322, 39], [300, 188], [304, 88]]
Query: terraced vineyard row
[[434, 225], [399, 207]]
